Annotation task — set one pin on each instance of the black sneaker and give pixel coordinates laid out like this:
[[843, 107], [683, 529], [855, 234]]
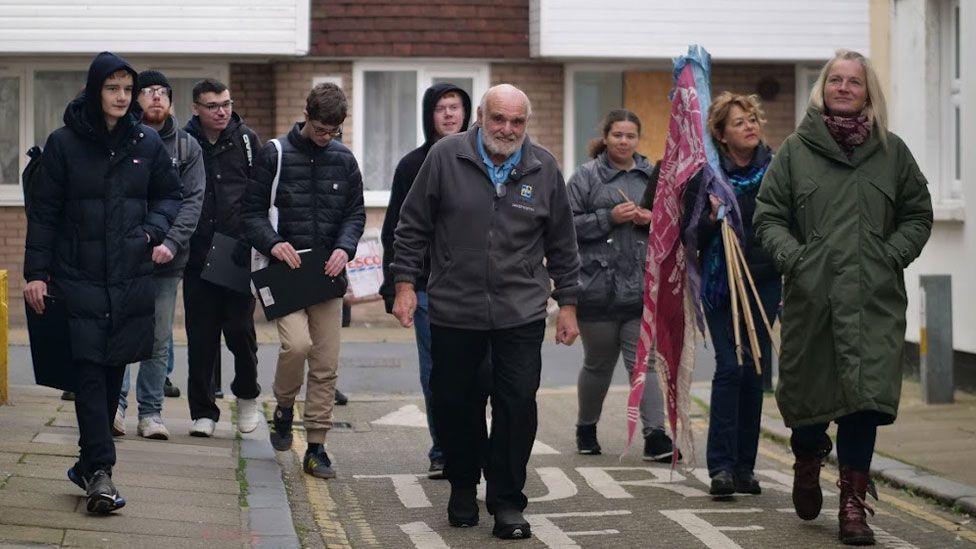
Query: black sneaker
[[340, 398], [746, 483], [462, 508], [510, 524], [723, 485], [586, 443], [318, 464], [67, 395], [171, 390], [103, 498], [436, 470], [281, 437], [75, 476], [658, 447]]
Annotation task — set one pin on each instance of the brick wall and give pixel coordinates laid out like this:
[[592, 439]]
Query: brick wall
[[780, 112], [13, 230], [292, 82], [252, 87], [427, 28], [543, 83]]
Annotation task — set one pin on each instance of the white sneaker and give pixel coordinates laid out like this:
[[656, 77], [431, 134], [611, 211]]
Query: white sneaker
[[118, 424], [153, 427], [248, 415], [203, 427]]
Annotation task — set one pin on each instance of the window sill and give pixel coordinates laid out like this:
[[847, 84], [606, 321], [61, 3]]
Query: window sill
[[949, 212]]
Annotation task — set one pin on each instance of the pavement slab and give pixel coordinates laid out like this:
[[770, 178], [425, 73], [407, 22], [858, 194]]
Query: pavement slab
[[30, 534], [209, 540]]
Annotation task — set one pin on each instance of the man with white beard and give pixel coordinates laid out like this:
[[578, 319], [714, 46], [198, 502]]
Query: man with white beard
[[490, 206], [155, 96]]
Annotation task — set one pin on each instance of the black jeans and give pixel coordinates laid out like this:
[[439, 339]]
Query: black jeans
[[459, 406], [96, 401], [856, 435], [210, 309], [737, 398]]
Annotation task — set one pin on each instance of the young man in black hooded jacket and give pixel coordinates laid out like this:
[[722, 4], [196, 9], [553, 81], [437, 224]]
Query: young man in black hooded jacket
[[108, 194], [446, 111]]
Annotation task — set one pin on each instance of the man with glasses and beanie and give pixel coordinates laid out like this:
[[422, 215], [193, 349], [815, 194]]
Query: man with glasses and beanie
[[319, 197], [229, 148], [155, 96]]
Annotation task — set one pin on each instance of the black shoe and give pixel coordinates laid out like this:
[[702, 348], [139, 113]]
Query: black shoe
[[462, 508], [658, 447], [318, 464], [103, 498], [746, 483], [586, 443], [510, 524], [281, 437], [67, 395], [723, 485], [436, 470], [340, 398], [77, 477], [171, 390], [219, 392]]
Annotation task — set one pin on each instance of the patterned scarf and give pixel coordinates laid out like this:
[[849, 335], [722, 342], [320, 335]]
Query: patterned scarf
[[715, 281], [848, 131]]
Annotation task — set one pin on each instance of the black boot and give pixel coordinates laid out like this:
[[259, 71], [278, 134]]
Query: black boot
[[807, 496], [170, 390], [746, 483], [586, 443], [462, 508], [340, 398], [281, 437], [723, 485], [510, 524]]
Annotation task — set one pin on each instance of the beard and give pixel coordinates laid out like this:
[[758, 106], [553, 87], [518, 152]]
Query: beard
[[153, 117], [501, 146]]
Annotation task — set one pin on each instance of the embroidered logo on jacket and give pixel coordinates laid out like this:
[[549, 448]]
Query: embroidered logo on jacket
[[526, 192]]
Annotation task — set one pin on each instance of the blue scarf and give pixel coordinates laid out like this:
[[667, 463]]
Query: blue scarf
[[715, 279]]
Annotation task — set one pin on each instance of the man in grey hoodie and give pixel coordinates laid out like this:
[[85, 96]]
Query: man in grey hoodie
[[155, 96]]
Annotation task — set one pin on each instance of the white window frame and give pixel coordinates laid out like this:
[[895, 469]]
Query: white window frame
[[426, 70], [13, 195], [569, 100], [950, 188], [804, 76]]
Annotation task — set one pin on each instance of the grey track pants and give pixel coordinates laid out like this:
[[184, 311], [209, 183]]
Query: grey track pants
[[603, 341]]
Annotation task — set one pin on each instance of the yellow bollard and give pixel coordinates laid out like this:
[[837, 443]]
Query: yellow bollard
[[4, 332]]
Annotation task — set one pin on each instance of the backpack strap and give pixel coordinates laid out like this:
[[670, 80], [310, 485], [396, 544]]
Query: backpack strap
[[273, 210]]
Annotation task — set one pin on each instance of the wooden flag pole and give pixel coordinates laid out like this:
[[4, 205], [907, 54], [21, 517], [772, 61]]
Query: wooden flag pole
[[733, 297], [755, 293], [747, 310]]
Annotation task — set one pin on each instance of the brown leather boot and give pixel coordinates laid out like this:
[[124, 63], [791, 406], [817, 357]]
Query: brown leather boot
[[854, 486], [807, 496]]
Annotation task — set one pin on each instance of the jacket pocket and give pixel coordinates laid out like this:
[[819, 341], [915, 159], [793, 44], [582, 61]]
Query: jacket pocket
[[807, 217], [878, 205]]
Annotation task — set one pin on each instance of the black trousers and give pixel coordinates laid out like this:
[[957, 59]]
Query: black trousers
[[856, 435], [458, 398], [210, 309], [96, 400]]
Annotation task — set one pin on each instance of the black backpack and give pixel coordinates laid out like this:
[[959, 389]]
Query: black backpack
[[32, 174]]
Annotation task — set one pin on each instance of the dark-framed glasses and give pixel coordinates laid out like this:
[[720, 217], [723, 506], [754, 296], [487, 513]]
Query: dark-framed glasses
[[214, 107], [322, 131]]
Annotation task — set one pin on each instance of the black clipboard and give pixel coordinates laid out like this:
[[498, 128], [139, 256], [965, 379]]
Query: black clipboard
[[283, 290], [50, 345], [228, 264]]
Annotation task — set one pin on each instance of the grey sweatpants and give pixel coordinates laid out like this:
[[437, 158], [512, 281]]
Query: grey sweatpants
[[603, 341]]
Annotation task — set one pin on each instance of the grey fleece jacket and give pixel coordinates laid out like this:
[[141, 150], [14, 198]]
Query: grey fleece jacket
[[486, 251], [193, 178]]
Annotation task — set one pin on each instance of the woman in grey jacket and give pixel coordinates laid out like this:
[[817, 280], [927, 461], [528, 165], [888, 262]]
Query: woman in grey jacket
[[611, 230]]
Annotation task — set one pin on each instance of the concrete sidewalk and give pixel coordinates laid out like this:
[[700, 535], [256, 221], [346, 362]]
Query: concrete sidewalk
[[930, 449], [184, 492]]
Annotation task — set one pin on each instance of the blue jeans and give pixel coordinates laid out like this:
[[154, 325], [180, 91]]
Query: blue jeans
[[152, 371], [737, 394], [421, 327]]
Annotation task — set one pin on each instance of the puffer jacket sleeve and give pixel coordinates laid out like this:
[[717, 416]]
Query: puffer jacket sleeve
[[590, 223], [164, 196], [913, 213], [46, 211], [416, 227], [562, 254], [773, 220], [257, 200], [354, 220]]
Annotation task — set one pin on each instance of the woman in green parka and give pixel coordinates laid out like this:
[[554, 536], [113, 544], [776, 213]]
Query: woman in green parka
[[843, 209]]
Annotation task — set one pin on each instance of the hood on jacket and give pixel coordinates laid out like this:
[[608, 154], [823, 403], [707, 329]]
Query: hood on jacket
[[431, 97], [169, 127], [84, 114], [607, 171], [813, 131], [194, 128]]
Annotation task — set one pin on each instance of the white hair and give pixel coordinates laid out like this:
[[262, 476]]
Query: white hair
[[508, 89]]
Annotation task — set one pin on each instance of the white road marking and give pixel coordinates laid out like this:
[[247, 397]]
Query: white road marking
[[883, 537], [558, 485], [407, 416], [603, 483], [422, 536], [707, 533], [546, 531], [541, 449], [407, 488]]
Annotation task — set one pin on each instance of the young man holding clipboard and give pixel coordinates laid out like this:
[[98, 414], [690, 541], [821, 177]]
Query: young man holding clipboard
[[318, 195]]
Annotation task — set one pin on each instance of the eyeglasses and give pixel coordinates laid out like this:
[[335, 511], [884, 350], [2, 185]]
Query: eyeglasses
[[214, 107], [323, 132], [154, 92]]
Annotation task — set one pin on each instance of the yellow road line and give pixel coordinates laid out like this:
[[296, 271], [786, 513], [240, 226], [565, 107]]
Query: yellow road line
[[323, 506]]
